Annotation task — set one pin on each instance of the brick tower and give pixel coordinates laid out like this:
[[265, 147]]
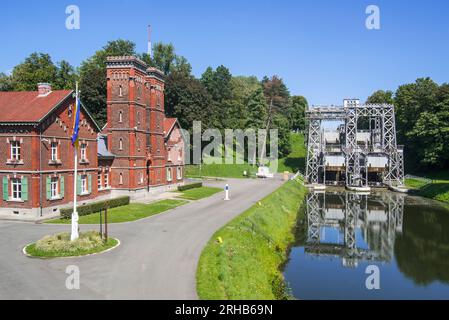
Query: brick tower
[[135, 127]]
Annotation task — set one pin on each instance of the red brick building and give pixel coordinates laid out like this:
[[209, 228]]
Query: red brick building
[[137, 153], [36, 166]]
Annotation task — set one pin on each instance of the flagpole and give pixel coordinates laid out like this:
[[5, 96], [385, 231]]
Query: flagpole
[[75, 234]]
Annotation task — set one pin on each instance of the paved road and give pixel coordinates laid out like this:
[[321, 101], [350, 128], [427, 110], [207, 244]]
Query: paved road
[[157, 258]]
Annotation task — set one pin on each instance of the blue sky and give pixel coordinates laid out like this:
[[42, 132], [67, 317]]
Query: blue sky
[[320, 48]]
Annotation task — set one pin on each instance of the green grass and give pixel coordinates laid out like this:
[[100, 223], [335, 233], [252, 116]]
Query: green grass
[[247, 264], [131, 212], [415, 183], [296, 159], [59, 245], [293, 162], [438, 189], [199, 193], [220, 170]]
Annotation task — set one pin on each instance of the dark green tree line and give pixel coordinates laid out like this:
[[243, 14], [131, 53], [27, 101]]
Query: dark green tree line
[[422, 121]]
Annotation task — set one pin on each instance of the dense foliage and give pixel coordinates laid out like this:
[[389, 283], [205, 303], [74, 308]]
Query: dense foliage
[[422, 120]]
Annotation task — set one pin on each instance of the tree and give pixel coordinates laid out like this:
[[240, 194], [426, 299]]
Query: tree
[[413, 104], [218, 84], [422, 122], [281, 123], [5, 82], [165, 59], [66, 76], [277, 97], [380, 97], [93, 77], [188, 100], [298, 105], [36, 68], [256, 110]]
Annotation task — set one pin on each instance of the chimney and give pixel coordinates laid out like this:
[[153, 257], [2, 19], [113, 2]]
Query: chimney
[[43, 89]]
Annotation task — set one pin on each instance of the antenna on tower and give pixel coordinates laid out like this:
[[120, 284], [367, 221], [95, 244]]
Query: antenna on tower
[[149, 40]]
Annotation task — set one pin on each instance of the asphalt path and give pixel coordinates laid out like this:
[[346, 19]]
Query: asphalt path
[[157, 257]]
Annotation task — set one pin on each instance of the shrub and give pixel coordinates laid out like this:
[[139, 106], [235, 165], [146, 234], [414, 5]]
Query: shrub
[[61, 242], [190, 186], [93, 207]]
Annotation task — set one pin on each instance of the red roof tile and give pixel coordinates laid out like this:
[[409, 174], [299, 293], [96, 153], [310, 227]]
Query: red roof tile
[[27, 106], [168, 125]]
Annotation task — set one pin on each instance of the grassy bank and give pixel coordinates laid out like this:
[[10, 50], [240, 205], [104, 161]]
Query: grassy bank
[[130, 212], [199, 193], [296, 159], [246, 264], [437, 187], [220, 170], [293, 162]]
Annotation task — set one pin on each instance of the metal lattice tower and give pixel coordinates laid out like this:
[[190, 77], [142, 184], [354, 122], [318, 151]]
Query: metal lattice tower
[[313, 151], [383, 141]]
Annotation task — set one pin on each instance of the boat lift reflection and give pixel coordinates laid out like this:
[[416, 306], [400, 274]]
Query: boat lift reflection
[[353, 226]]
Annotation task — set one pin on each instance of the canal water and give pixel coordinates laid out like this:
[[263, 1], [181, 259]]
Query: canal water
[[383, 245]]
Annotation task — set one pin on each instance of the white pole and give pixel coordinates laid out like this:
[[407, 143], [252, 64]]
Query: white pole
[[75, 234], [226, 192]]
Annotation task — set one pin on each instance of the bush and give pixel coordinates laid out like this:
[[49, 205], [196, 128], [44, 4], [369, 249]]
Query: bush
[[94, 207], [61, 242], [190, 186]]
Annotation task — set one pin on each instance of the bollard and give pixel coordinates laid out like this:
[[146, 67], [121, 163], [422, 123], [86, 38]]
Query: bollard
[[226, 192]]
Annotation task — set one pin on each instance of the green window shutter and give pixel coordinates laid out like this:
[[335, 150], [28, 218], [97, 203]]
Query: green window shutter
[[48, 183], [78, 185], [24, 189], [61, 187], [5, 188], [89, 185]]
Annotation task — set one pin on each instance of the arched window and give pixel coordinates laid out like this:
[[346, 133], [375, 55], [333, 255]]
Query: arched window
[[120, 91], [120, 179], [138, 117], [120, 144], [120, 116]]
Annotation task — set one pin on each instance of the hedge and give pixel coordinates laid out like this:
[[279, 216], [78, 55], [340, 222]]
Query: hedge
[[93, 207], [190, 186]]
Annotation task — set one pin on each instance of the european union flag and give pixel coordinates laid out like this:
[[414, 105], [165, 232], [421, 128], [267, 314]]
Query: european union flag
[[76, 123]]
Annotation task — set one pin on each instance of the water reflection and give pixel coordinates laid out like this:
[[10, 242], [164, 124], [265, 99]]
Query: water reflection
[[353, 226], [342, 233]]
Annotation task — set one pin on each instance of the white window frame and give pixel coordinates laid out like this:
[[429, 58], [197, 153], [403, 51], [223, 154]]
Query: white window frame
[[106, 179], [15, 150], [120, 179], [54, 151], [179, 173], [169, 174], [140, 178], [99, 180], [54, 187], [120, 116], [120, 144], [84, 186], [83, 152], [16, 195]]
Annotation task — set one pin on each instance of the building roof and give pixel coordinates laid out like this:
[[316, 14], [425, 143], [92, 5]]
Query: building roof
[[169, 124], [102, 146], [27, 106]]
